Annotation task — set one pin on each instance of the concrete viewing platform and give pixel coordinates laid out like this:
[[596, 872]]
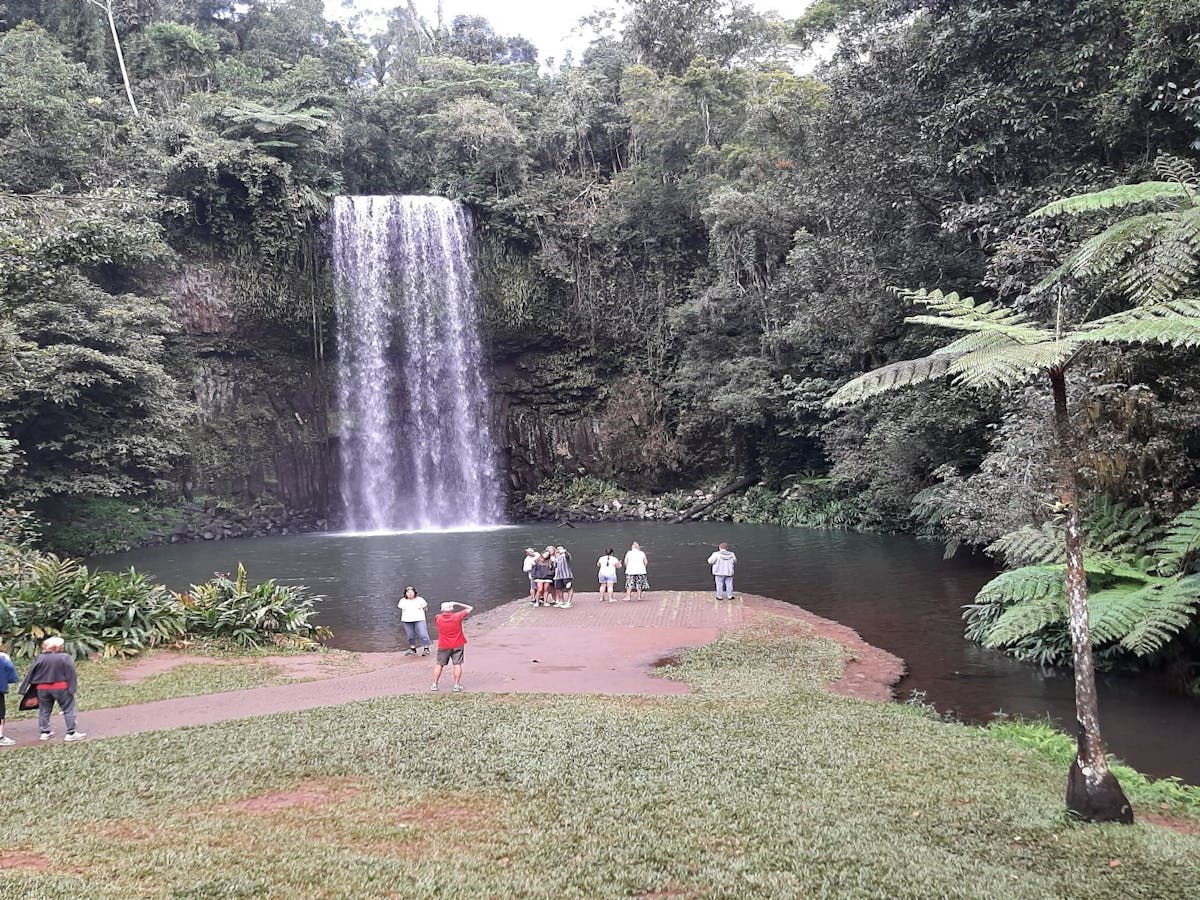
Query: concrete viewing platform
[[594, 647]]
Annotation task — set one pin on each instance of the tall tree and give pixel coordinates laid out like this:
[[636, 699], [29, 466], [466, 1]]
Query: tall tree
[[1004, 347]]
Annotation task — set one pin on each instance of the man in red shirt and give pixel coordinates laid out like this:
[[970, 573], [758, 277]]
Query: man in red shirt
[[451, 641]]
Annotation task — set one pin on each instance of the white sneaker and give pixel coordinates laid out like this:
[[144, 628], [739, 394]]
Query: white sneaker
[[565, 606], [433, 687], [45, 735], [75, 736], [6, 742], [457, 689]]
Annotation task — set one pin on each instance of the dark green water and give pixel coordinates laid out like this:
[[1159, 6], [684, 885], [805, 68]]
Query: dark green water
[[897, 592]]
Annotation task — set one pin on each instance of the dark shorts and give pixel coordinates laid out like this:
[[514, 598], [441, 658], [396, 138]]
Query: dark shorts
[[637, 583], [3, 711], [450, 655], [563, 584]]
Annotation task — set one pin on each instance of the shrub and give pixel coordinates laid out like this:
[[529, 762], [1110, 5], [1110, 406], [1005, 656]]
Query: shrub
[[251, 616], [114, 614]]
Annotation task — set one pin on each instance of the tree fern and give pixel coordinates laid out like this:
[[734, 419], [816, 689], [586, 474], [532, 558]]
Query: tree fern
[[1030, 545], [964, 314], [1175, 323], [1027, 617], [1112, 612], [1116, 197], [1168, 607], [890, 377], [1006, 364], [1177, 550]]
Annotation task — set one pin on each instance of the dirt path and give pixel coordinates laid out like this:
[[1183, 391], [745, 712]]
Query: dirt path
[[594, 647]]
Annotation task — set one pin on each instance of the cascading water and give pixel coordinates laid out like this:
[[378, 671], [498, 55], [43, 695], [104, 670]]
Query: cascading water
[[416, 451]]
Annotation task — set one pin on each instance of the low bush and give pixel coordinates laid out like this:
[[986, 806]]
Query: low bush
[[250, 616], [113, 614]]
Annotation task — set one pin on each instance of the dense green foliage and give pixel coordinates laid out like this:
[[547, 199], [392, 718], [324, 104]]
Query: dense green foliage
[[126, 613], [703, 236], [252, 615]]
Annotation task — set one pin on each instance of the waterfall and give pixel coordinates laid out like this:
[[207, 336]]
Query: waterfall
[[415, 447]]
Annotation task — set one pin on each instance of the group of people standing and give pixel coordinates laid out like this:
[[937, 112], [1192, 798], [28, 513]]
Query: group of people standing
[[551, 580]]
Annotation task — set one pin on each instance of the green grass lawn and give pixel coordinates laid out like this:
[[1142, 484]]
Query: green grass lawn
[[100, 685], [759, 784]]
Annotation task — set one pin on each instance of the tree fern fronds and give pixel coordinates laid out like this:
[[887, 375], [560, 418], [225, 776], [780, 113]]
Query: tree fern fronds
[[1179, 546], [1112, 612], [1030, 545], [1173, 168], [1103, 252], [975, 340], [1159, 273], [964, 314], [1023, 584], [1175, 323], [1115, 197], [1168, 609], [1005, 365], [1026, 618], [890, 377]]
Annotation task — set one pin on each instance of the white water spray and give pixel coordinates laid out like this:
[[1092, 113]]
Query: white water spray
[[416, 450]]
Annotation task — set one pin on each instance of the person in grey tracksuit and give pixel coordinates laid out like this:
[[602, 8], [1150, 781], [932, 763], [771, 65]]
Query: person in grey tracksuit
[[722, 563]]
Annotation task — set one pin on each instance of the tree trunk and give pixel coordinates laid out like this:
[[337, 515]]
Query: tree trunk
[[107, 6], [1093, 792], [740, 485]]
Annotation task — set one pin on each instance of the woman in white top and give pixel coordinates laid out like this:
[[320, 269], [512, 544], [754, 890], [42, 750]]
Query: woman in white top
[[635, 571], [607, 566], [412, 614]]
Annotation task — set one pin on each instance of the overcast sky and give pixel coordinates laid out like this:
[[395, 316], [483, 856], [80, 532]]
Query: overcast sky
[[547, 23]]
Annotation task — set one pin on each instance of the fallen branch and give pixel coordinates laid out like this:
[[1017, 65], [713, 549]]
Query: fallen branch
[[692, 511]]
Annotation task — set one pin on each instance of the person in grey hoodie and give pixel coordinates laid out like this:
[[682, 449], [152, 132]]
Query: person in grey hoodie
[[53, 673], [722, 563]]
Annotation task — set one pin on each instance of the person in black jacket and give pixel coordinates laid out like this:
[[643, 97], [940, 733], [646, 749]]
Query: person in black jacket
[[53, 674]]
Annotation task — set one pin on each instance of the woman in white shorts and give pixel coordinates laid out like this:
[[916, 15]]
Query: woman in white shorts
[[607, 566]]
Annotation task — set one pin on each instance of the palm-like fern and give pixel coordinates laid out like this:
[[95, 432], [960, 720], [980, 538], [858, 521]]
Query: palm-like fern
[[1157, 258], [1152, 257], [1142, 595]]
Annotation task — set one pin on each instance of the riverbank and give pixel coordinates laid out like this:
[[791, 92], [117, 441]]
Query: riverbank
[[742, 774]]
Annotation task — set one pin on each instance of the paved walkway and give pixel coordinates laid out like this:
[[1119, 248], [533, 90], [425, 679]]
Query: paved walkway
[[594, 647]]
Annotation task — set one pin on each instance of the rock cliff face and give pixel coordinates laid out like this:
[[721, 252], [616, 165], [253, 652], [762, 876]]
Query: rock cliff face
[[545, 407], [263, 424]]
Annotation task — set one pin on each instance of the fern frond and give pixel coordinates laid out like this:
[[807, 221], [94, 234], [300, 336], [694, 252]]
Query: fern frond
[[1103, 252], [1168, 263], [1030, 546], [890, 377], [1168, 608], [1112, 612], [1026, 618], [1174, 168], [1114, 197], [1005, 365], [1179, 546], [1175, 323], [1023, 584], [975, 340], [964, 314]]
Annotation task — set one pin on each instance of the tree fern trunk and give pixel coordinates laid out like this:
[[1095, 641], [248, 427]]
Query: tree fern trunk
[[1093, 792]]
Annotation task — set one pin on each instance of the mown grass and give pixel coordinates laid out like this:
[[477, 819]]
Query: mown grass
[[101, 687], [758, 784]]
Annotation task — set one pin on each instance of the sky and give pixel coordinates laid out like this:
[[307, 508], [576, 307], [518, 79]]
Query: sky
[[547, 23]]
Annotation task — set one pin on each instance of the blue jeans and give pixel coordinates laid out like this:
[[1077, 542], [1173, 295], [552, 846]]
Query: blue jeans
[[415, 630], [724, 586]]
